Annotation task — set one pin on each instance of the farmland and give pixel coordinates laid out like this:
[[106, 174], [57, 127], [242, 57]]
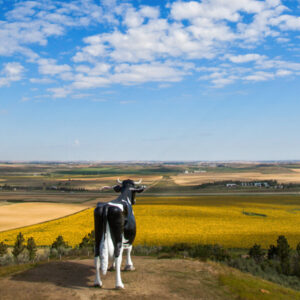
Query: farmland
[[233, 221], [183, 202]]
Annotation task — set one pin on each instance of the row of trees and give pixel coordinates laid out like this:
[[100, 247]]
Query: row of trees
[[20, 246], [289, 262], [59, 245]]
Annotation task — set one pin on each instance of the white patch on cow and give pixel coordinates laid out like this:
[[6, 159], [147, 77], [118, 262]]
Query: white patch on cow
[[106, 249], [116, 205], [118, 261], [128, 200], [129, 264], [125, 242], [98, 281]]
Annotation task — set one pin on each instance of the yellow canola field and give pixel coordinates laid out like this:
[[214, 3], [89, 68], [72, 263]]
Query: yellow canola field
[[200, 219]]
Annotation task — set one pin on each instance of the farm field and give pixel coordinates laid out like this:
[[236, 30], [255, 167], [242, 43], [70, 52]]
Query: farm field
[[53, 197], [233, 221], [16, 215], [196, 179]]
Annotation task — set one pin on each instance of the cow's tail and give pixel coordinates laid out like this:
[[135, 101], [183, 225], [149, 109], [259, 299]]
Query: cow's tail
[[106, 245]]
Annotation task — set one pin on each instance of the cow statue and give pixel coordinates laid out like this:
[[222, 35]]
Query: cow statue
[[115, 230]]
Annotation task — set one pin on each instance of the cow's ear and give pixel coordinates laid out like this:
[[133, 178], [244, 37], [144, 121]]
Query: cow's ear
[[117, 188]]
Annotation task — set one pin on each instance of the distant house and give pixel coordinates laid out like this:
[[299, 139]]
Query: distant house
[[230, 185], [186, 172]]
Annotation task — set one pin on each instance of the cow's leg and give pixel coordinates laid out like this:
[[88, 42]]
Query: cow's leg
[[116, 223], [98, 235], [118, 261], [98, 282], [129, 265]]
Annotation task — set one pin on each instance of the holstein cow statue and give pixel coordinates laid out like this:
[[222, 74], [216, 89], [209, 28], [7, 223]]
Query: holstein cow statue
[[115, 230]]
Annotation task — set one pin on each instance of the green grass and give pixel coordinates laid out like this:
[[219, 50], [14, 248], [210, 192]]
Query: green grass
[[248, 287], [8, 270]]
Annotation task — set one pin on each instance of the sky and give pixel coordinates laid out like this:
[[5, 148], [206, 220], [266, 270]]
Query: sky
[[149, 80]]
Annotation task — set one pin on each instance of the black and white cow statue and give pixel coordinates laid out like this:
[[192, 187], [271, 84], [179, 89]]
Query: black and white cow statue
[[115, 230]]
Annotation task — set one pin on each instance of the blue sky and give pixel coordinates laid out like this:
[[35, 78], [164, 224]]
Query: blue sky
[[149, 80]]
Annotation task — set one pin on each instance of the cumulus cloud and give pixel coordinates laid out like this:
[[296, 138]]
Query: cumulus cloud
[[246, 58], [49, 67], [10, 72], [33, 22], [215, 39]]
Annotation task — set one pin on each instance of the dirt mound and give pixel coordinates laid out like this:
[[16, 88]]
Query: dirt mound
[[153, 279]]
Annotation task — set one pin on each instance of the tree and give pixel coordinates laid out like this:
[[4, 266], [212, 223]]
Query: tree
[[59, 243], [283, 250], [3, 249], [19, 245], [298, 249], [272, 252], [31, 247], [88, 240], [256, 253]]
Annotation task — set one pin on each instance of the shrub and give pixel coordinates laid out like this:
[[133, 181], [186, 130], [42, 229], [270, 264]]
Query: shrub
[[88, 241], [31, 247], [298, 249], [283, 248], [272, 252], [19, 246], [59, 243], [257, 253], [3, 249]]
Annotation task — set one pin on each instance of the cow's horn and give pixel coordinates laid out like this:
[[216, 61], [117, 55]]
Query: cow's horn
[[138, 182], [119, 181]]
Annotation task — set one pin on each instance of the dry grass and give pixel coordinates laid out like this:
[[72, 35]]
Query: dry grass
[[59, 197], [195, 179], [24, 214]]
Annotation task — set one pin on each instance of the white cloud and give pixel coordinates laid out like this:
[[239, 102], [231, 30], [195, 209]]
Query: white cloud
[[60, 92], [11, 71], [153, 72], [49, 67], [246, 58], [137, 44], [259, 76], [44, 80], [33, 22], [283, 72]]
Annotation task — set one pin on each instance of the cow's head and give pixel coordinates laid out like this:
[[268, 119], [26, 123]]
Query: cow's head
[[129, 186]]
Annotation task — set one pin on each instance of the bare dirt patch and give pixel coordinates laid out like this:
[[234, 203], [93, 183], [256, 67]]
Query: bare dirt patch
[[153, 279], [196, 179]]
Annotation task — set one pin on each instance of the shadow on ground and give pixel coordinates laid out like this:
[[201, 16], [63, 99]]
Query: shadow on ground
[[66, 274]]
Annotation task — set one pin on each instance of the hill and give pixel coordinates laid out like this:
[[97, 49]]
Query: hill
[[153, 279]]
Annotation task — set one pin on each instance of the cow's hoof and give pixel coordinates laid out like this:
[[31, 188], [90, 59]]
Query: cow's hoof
[[112, 269], [129, 268], [119, 287], [98, 285]]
